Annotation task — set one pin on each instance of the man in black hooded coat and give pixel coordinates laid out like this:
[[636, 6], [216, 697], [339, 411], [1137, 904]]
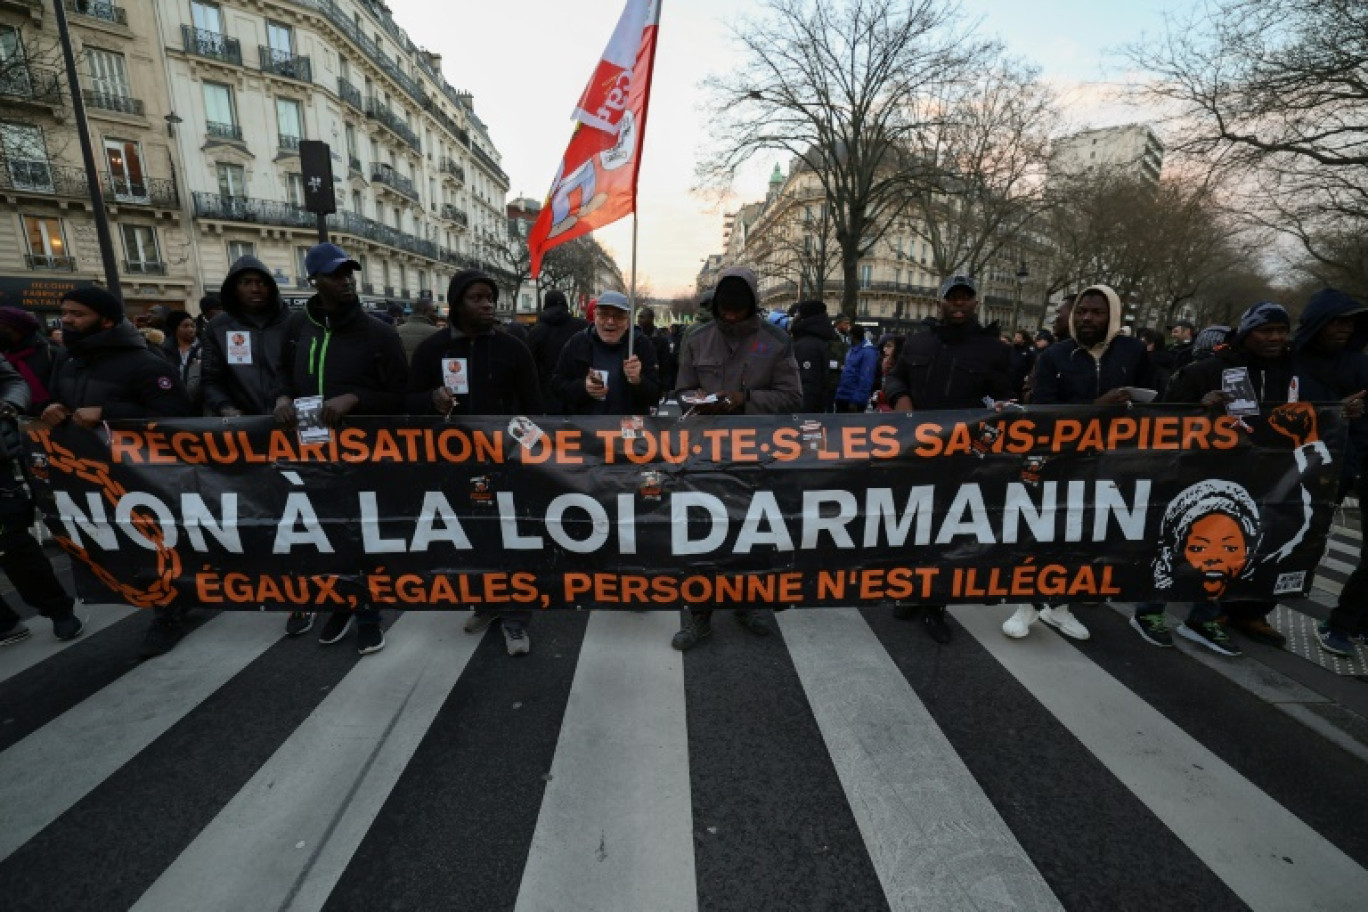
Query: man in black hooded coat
[[555, 326]]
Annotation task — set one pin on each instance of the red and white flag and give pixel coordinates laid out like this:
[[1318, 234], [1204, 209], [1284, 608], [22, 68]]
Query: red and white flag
[[596, 182]]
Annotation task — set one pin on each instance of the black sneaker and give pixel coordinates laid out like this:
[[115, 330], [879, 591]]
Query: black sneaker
[[67, 627], [753, 622], [16, 632], [161, 637], [694, 631], [299, 623], [369, 638], [1153, 629], [339, 622], [1211, 635], [936, 624]]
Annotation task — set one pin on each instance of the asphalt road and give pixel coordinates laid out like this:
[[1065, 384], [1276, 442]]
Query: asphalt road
[[845, 763]]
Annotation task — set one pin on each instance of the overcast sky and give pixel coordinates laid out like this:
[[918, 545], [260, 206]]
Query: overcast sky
[[526, 62]]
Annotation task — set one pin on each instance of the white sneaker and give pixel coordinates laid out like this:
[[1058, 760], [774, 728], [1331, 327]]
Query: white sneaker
[[1062, 619], [1019, 624], [516, 640]]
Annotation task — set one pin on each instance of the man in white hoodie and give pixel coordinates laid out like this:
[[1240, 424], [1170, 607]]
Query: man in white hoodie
[[1096, 366]]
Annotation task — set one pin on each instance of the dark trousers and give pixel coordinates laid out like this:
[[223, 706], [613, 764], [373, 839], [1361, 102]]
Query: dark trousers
[[1350, 614], [29, 569]]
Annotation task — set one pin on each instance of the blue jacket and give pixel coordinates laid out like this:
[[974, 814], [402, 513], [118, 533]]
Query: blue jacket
[[858, 375], [1066, 374]]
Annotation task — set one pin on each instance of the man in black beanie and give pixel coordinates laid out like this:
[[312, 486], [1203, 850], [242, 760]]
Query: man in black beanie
[[106, 372], [491, 374], [555, 326]]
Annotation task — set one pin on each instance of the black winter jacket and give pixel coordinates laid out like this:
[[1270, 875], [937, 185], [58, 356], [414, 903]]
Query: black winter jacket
[[350, 353], [249, 388], [812, 339], [503, 378], [1271, 379], [951, 368], [1067, 374], [116, 370], [555, 326], [623, 399]]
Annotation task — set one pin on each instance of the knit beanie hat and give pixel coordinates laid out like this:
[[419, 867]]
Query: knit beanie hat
[[19, 320], [98, 300]]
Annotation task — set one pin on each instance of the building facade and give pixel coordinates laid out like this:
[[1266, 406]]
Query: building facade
[[196, 111], [417, 180], [48, 241], [1133, 150]]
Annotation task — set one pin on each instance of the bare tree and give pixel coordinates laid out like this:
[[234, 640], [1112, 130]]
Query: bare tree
[[844, 87], [991, 155], [1276, 90]]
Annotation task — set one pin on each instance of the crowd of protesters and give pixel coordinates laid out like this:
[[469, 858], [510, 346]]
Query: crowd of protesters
[[248, 353]]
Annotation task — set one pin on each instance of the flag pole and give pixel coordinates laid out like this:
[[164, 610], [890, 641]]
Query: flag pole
[[631, 297]]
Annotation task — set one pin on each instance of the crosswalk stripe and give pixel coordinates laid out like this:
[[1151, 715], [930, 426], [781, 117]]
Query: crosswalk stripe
[[615, 829], [53, 768], [290, 832], [43, 645], [1264, 853], [935, 838]]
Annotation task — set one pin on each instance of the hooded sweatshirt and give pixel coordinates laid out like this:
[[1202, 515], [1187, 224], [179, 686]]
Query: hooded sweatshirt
[[1066, 373], [751, 356], [348, 352], [555, 326], [241, 350], [1330, 377]]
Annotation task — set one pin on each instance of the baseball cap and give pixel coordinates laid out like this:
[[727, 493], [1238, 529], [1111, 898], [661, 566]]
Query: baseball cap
[[614, 299], [957, 281], [325, 259]]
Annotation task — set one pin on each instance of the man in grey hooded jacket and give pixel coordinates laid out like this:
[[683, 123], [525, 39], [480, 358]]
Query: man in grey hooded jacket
[[748, 365]]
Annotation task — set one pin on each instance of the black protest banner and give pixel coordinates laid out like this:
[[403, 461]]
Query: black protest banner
[[1048, 503]]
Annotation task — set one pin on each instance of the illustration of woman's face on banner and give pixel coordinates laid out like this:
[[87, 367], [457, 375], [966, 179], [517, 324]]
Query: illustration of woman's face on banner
[[1216, 548]]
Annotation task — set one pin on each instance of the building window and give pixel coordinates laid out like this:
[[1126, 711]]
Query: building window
[[232, 181], [26, 157], [301, 271], [47, 247], [14, 73], [206, 16], [294, 189], [219, 112], [290, 123], [239, 249], [124, 161], [109, 80], [866, 276], [279, 38], [140, 248], [353, 157], [358, 205]]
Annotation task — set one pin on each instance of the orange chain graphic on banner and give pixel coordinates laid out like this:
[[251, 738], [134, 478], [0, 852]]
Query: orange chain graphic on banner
[[160, 593]]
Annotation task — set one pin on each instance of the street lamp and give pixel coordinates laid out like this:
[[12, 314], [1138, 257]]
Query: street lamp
[[1022, 274]]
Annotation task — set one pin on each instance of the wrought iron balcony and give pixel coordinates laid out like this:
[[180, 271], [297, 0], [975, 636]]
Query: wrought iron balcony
[[98, 10], [144, 267], [154, 191], [377, 110], [354, 163], [456, 215], [283, 63], [214, 45], [54, 263], [40, 176], [112, 101], [224, 131], [28, 83], [384, 174], [290, 143], [449, 168], [269, 212], [350, 94]]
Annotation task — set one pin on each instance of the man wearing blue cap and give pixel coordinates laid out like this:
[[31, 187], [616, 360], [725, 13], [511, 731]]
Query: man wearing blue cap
[[334, 350], [956, 364]]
